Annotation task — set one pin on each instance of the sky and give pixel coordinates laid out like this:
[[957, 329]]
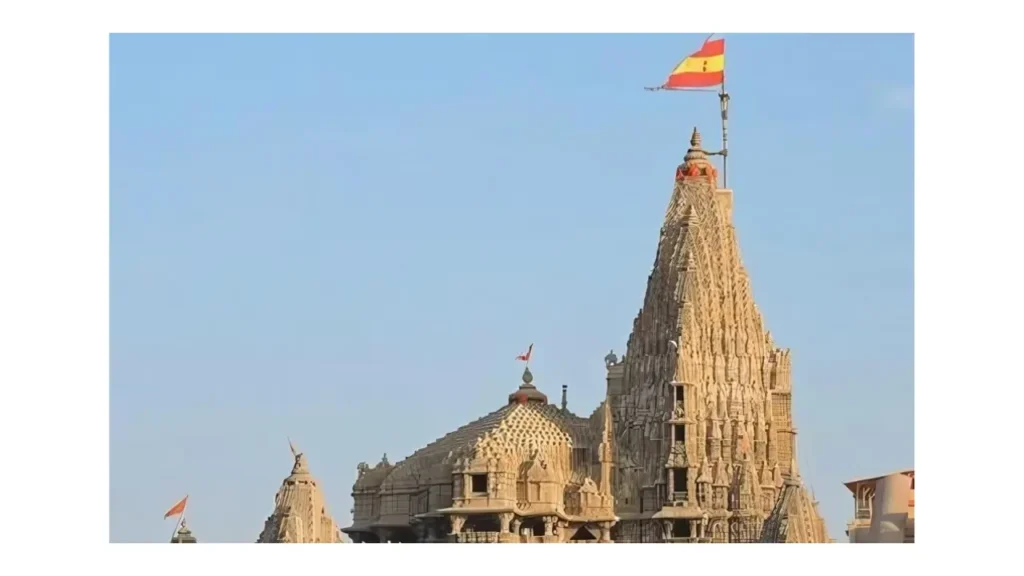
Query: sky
[[345, 240]]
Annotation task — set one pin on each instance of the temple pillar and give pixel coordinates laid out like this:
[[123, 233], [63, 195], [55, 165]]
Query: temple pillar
[[458, 521], [505, 518]]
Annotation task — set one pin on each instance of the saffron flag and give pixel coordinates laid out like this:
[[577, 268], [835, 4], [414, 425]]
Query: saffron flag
[[526, 357], [176, 509], [703, 68]]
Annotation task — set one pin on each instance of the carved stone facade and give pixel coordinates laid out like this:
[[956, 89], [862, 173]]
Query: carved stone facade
[[527, 472], [300, 513], [694, 443]]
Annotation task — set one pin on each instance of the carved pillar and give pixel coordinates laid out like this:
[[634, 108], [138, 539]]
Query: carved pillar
[[691, 485], [506, 519], [549, 525], [458, 521], [606, 532], [666, 530], [514, 525]]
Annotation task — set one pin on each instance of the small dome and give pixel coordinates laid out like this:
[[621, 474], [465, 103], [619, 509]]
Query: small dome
[[696, 162], [527, 392]]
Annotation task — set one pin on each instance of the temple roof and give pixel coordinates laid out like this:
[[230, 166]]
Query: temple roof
[[300, 511], [852, 484], [526, 422]]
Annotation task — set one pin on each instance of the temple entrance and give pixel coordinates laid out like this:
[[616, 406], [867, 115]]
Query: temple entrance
[[680, 528]]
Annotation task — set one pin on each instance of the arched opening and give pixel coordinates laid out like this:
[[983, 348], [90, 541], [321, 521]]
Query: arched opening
[[583, 535]]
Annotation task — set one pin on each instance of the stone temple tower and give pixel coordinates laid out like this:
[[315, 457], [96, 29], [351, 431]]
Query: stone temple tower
[[300, 513], [704, 440]]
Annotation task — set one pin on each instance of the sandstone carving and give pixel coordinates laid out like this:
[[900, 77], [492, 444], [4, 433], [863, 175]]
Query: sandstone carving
[[694, 442], [300, 513]]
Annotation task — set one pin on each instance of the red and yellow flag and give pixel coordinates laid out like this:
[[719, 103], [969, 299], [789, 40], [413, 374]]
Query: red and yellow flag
[[176, 509], [703, 68], [526, 357]]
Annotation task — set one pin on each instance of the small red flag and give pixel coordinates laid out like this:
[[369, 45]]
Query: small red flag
[[526, 357], [176, 509]]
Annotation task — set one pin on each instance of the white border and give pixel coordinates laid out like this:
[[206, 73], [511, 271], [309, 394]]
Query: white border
[[54, 230]]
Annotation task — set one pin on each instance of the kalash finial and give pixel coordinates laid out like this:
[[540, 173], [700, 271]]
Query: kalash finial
[[527, 392], [696, 163]]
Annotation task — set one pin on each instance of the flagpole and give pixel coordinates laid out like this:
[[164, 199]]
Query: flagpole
[[181, 518], [723, 98]]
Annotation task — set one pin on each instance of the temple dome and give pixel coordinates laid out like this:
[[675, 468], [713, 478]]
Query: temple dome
[[527, 392]]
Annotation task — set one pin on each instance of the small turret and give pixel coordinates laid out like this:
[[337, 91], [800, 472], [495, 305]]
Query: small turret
[[183, 535]]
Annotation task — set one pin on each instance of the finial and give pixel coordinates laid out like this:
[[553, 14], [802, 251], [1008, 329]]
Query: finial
[[695, 139], [527, 376], [527, 392], [565, 400]]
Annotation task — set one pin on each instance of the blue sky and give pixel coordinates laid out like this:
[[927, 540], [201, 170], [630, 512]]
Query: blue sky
[[346, 240]]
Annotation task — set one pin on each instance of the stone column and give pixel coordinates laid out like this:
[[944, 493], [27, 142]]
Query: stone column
[[549, 525], [506, 519], [691, 485], [606, 532], [458, 521], [514, 525]]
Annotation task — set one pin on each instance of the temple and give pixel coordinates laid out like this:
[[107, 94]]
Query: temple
[[694, 442], [527, 472], [300, 513]]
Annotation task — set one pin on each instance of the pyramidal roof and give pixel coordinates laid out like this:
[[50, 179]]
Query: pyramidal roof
[[698, 263], [300, 512]]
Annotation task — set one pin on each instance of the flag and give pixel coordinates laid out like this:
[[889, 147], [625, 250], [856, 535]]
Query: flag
[[703, 68], [526, 357], [176, 509]]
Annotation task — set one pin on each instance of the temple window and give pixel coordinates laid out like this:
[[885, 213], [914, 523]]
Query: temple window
[[679, 432], [680, 395], [679, 481], [864, 503], [680, 528], [478, 483]]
